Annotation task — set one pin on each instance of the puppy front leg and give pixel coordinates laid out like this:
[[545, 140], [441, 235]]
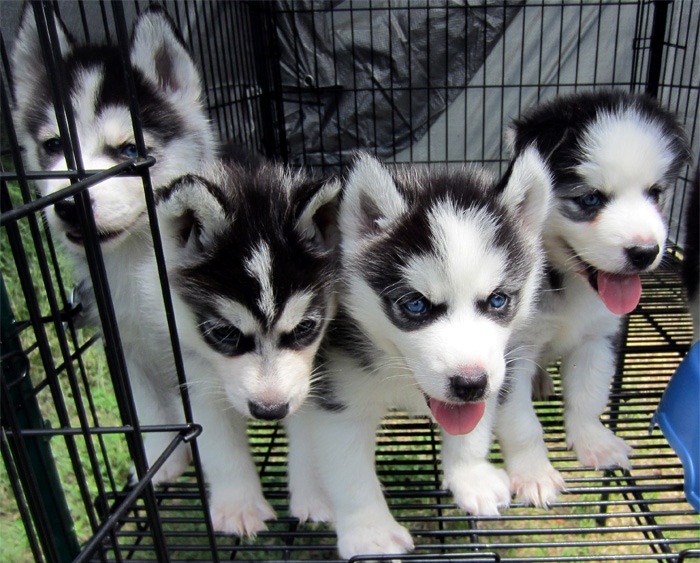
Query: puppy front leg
[[308, 499], [345, 446], [586, 375], [236, 502], [477, 486], [157, 404], [533, 478]]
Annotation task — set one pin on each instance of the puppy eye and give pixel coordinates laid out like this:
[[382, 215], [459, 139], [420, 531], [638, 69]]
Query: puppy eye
[[305, 327], [654, 193], [129, 150], [418, 307], [591, 200], [53, 145], [305, 331], [225, 338], [497, 300]]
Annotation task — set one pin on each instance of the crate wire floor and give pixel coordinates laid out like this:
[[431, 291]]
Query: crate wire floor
[[607, 515]]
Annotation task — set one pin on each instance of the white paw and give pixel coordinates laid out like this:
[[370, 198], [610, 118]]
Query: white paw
[[242, 517], [373, 536], [538, 487], [312, 505], [598, 447], [479, 489]]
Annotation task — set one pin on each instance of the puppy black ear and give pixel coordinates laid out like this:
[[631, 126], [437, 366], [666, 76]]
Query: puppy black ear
[[317, 213], [28, 69], [191, 215], [159, 52], [371, 201]]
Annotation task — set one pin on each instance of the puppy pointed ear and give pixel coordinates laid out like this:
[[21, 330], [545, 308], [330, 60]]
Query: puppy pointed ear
[[158, 51], [371, 201], [28, 68], [191, 215], [527, 190], [317, 214]]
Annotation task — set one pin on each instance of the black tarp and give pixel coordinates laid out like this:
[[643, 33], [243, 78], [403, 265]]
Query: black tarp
[[376, 75]]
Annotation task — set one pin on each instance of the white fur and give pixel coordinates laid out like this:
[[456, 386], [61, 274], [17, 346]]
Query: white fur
[[260, 268], [331, 458]]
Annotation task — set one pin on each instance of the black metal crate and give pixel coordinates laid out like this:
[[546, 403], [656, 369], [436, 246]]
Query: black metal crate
[[310, 82]]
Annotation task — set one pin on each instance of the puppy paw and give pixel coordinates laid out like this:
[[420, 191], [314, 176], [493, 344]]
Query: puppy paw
[[598, 447], [240, 517], [373, 536], [311, 507], [537, 487], [480, 489]]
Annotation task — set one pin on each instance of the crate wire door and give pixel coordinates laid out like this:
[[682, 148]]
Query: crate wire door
[[244, 52]]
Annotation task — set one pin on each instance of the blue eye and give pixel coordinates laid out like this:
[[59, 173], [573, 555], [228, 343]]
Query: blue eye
[[129, 150], [416, 307], [591, 200], [497, 300]]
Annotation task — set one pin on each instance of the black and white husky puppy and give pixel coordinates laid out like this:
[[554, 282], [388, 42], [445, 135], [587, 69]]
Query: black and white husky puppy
[[437, 268], [614, 158], [176, 132], [250, 252]]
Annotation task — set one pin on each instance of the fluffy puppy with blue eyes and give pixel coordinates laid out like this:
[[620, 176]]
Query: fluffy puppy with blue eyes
[[176, 132], [437, 270], [614, 158]]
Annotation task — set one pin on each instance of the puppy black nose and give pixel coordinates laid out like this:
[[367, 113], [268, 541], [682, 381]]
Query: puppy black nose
[[642, 256], [263, 411], [469, 386], [67, 211]]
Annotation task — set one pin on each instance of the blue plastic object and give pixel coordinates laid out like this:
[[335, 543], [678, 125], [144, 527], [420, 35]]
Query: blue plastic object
[[678, 416]]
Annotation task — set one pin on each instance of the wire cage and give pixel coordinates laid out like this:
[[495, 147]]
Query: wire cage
[[308, 83]]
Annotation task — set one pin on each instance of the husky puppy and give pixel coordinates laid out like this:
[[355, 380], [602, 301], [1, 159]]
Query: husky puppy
[[614, 159], [251, 259], [437, 268], [176, 132]]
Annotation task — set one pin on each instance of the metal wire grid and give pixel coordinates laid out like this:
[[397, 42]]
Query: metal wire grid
[[650, 522]]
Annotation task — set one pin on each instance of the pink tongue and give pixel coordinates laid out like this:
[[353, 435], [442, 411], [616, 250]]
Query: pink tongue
[[619, 292], [457, 419]]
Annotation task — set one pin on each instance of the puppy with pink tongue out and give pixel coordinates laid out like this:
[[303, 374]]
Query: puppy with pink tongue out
[[614, 159], [438, 268]]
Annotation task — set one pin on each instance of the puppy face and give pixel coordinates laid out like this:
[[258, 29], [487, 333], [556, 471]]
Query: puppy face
[[439, 269], [611, 216], [167, 88], [615, 158], [253, 267]]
